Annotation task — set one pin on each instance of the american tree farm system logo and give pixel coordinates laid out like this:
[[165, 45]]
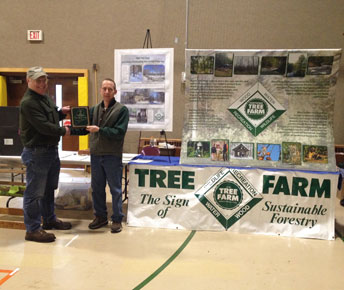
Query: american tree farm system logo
[[256, 109], [228, 195]]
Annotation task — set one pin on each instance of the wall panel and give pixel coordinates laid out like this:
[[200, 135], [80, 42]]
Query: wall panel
[[80, 33]]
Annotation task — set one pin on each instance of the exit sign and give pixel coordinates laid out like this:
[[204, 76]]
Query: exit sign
[[35, 35]]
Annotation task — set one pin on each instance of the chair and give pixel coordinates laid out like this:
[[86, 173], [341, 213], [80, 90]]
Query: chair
[[339, 153], [150, 151], [143, 142]]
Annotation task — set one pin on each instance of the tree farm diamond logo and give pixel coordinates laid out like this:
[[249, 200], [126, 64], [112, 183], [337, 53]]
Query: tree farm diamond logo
[[228, 195], [256, 109]]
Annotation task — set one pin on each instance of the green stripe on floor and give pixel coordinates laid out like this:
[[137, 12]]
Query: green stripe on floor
[[163, 266]]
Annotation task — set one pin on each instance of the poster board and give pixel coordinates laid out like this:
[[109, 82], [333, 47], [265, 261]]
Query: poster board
[[265, 108], [144, 79]]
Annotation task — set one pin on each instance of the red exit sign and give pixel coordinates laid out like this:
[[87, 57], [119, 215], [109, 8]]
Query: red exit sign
[[35, 35]]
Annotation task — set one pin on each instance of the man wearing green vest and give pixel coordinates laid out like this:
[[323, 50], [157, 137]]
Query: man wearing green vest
[[109, 122]]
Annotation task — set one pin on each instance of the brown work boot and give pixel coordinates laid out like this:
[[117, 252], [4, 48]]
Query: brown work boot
[[116, 227], [98, 222], [40, 236], [57, 225]]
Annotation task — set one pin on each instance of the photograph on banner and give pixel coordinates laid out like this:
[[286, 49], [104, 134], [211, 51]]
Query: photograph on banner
[[144, 79], [270, 152], [274, 108], [198, 149]]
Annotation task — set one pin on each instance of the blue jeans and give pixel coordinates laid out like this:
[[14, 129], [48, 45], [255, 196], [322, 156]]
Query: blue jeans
[[107, 168], [42, 176]]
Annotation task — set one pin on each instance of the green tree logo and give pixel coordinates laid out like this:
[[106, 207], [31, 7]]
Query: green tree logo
[[228, 195], [256, 109]]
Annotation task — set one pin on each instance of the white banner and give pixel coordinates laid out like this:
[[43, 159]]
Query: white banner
[[261, 108], [273, 202], [144, 79]]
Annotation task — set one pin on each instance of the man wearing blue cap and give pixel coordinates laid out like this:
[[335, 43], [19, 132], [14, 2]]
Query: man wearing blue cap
[[40, 133]]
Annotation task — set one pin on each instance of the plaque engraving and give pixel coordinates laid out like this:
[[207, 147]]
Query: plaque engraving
[[80, 117]]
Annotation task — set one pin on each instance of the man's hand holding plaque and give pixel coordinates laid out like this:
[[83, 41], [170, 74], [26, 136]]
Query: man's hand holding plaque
[[92, 129]]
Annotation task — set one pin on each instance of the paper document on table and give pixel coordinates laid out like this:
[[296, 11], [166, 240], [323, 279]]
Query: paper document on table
[[142, 161], [163, 145]]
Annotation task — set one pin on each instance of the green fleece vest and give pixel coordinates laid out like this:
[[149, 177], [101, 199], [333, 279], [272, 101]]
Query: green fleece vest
[[102, 145]]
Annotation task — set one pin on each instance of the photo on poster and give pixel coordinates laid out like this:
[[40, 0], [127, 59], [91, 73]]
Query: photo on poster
[[137, 96], [297, 64], [291, 153], [137, 115], [320, 65], [268, 152], [202, 64], [198, 149], [241, 150], [132, 114], [127, 97], [223, 64], [246, 65], [135, 74], [273, 65], [143, 96], [153, 73], [156, 97], [141, 116], [219, 150], [315, 154]]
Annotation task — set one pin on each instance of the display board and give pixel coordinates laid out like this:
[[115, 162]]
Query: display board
[[246, 200], [265, 108], [144, 79]]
